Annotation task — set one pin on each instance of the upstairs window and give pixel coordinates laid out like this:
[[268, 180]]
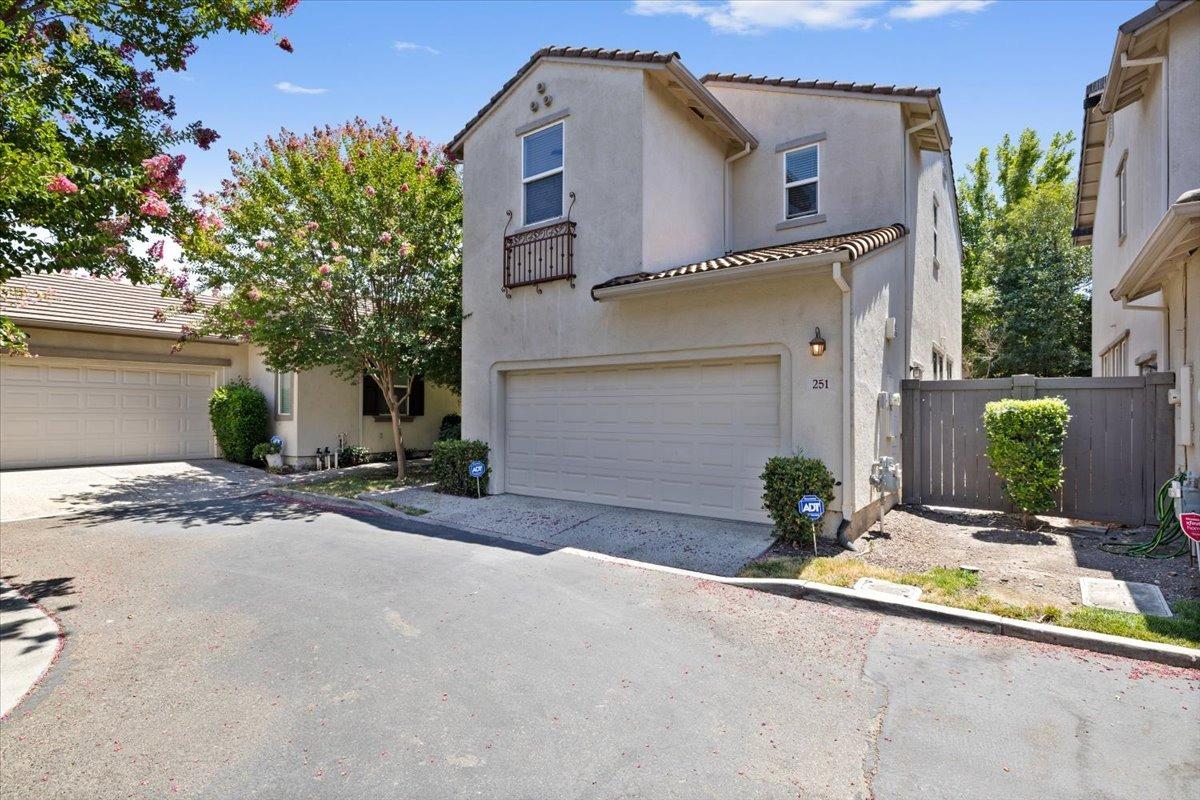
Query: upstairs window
[[935, 232], [542, 174], [800, 181]]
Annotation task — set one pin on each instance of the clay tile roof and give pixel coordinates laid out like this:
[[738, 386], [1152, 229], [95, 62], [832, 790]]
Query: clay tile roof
[[558, 51], [56, 300], [853, 245], [837, 86]]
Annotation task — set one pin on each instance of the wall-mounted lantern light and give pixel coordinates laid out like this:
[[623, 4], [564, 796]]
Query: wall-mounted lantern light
[[817, 344]]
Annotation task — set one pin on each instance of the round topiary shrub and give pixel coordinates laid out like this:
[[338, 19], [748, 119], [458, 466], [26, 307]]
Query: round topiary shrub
[[240, 420], [451, 427], [785, 480], [1025, 447]]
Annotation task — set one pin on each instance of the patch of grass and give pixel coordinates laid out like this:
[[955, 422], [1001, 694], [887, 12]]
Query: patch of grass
[[959, 588], [1182, 629], [353, 484]]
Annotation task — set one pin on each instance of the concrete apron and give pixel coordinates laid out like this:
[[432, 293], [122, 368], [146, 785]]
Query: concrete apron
[[1168, 654], [30, 645]]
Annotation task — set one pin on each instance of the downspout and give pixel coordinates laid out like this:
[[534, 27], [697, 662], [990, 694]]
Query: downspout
[[911, 245], [727, 208], [847, 410]]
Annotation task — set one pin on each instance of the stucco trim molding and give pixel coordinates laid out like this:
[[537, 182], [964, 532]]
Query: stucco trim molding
[[497, 380], [549, 119], [792, 144], [800, 222], [55, 351]]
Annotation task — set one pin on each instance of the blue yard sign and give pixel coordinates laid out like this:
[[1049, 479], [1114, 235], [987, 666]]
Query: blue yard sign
[[811, 506], [477, 469]]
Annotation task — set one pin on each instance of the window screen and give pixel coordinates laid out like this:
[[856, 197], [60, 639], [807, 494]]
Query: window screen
[[542, 174], [800, 181]]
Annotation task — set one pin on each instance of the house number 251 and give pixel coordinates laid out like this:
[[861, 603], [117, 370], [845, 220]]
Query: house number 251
[[820, 383]]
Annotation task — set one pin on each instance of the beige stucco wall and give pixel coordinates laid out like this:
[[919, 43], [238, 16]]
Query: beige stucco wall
[[1181, 294], [1138, 130], [859, 162], [935, 307]]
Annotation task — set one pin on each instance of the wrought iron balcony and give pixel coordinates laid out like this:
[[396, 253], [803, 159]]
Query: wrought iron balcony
[[540, 255]]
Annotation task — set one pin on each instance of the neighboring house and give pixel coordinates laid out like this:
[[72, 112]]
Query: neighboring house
[[669, 280], [105, 386], [1137, 203]]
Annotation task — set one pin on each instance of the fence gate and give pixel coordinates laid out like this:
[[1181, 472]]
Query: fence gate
[[1119, 447]]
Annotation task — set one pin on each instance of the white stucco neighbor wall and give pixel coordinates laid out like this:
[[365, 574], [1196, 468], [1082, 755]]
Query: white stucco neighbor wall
[[859, 163], [935, 307], [1181, 292]]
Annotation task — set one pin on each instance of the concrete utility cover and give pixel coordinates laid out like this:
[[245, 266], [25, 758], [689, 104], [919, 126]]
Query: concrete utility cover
[[1136, 598], [887, 587]]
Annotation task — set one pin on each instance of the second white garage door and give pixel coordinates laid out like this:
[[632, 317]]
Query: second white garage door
[[688, 437], [57, 412]]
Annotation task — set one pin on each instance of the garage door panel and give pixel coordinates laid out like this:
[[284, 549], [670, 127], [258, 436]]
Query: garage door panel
[[683, 436], [63, 411]]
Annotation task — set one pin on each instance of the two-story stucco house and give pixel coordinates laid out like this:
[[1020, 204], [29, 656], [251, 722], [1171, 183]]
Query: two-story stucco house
[[668, 280], [1139, 205]]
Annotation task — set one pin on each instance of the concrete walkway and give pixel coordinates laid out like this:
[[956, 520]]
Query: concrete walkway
[[28, 643], [700, 544], [37, 493]]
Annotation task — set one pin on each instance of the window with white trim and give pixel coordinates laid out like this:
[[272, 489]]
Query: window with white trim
[[285, 389], [939, 365], [1122, 200], [542, 174], [801, 181], [1114, 359], [935, 232]]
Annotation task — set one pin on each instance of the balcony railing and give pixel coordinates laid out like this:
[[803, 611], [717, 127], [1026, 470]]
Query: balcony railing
[[540, 255]]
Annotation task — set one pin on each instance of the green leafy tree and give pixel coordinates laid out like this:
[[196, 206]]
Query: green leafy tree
[[85, 131], [339, 248], [1026, 288]]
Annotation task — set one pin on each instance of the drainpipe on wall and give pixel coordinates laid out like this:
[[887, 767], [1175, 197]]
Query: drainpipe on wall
[[847, 409], [727, 202]]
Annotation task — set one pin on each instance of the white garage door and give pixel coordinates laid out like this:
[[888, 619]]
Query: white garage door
[[689, 437], [57, 411]]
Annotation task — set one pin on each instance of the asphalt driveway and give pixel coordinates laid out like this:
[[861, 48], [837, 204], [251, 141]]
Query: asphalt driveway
[[256, 648], [34, 493]]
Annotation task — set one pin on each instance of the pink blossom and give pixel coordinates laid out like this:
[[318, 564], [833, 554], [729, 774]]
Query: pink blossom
[[326, 285], [159, 315], [335, 246], [180, 281], [204, 137], [340, 259], [288, 7], [439, 170], [254, 294], [69, 118], [404, 187], [234, 157], [385, 238], [369, 191], [324, 269], [156, 249], [153, 205], [263, 245], [115, 227], [261, 24], [209, 222], [312, 226], [163, 171], [61, 184], [405, 249], [285, 45]]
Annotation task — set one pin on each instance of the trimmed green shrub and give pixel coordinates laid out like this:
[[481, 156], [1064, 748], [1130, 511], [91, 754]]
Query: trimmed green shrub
[[353, 455], [1025, 446], [450, 460], [785, 480], [451, 427], [264, 449], [240, 420]]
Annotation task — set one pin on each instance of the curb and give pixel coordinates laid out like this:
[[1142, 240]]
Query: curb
[[59, 645], [1107, 644]]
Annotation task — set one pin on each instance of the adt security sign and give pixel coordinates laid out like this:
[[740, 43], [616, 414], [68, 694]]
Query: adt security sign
[[811, 506], [477, 469]]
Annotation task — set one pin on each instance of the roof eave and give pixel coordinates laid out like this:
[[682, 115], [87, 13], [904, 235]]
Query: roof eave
[[1161, 252], [143, 333], [712, 277]]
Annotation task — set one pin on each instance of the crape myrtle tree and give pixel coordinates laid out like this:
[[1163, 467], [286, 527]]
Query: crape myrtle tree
[[338, 248], [89, 162]]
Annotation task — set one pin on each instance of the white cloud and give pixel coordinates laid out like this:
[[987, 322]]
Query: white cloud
[[408, 47], [290, 88], [928, 9], [759, 16]]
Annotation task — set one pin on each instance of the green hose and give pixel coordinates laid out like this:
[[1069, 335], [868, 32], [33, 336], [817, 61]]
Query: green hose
[[1168, 530]]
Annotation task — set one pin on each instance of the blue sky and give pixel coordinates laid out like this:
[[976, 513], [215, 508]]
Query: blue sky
[[429, 66]]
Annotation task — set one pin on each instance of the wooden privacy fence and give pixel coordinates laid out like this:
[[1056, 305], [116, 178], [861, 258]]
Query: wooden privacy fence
[[1119, 446]]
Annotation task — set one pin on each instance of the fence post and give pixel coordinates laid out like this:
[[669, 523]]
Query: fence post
[[1024, 387], [910, 439]]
